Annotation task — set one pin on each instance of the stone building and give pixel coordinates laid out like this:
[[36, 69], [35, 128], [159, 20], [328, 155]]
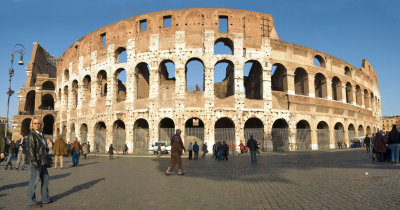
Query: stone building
[[137, 80], [388, 121]]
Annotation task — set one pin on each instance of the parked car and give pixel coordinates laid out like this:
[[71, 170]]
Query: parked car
[[164, 148]]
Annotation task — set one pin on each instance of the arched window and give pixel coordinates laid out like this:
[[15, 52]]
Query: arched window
[[120, 82], [119, 135], [366, 99], [66, 75], [48, 123], [223, 46], [166, 71], [347, 71], [100, 131], [75, 93], [87, 89], [319, 61], [280, 135], [142, 77], [253, 80], [254, 127], [352, 131], [194, 75], [336, 89], [102, 83], [30, 103], [224, 130], [278, 79], [339, 134], [320, 85], [224, 79], [349, 93], [48, 85], [303, 136], [141, 137], [47, 102], [358, 95], [323, 135], [121, 55], [194, 131], [166, 129], [301, 81]]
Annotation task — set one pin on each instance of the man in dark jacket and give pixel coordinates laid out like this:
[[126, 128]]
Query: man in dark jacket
[[252, 145], [367, 142], [394, 141], [196, 150], [36, 152]]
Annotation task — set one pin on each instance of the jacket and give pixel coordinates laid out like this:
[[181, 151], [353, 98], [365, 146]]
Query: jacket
[[196, 148], [380, 143], [76, 147], [252, 144], [59, 147], [394, 136], [36, 149]]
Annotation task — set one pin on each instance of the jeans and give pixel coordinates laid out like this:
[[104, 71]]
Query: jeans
[[21, 157], [8, 158], [75, 158], [395, 152], [253, 156], [34, 179]]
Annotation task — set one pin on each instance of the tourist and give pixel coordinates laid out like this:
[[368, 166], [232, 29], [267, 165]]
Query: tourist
[[367, 142], [49, 146], [190, 149], [125, 151], [252, 145], [37, 153], [394, 141], [214, 151], [373, 147], [159, 150], [204, 149], [177, 149], [84, 150], [76, 148], [196, 150], [59, 150], [380, 146], [233, 150], [111, 151], [10, 151], [219, 150], [21, 152], [225, 150], [339, 143], [241, 145]]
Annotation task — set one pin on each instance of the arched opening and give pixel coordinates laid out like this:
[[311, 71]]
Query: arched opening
[[87, 89], [84, 133], [66, 75], [121, 55], [358, 95], [47, 102], [166, 71], [224, 79], [372, 99], [48, 125], [366, 99], [347, 71], [223, 46], [166, 129], [280, 135], [255, 127], [66, 93], [48, 85], [339, 134], [374, 131], [194, 131], [351, 132], [74, 94], [349, 93], [25, 126], [142, 77], [323, 136], [253, 80], [224, 130], [278, 78], [119, 135], [194, 75], [360, 131], [30, 103], [369, 131], [320, 86], [303, 136], [120, 81], [102, 83], [100, 131], [336, 89], [319, 61], [301, 82], [141, 137]]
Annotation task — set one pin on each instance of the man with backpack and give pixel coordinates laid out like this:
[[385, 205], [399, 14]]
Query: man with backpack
[[252, 145]]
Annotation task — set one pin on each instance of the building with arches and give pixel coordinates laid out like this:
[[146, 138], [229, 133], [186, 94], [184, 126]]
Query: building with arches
[[218, 75]]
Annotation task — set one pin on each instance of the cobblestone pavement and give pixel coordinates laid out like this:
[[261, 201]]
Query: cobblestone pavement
[[296, 180]]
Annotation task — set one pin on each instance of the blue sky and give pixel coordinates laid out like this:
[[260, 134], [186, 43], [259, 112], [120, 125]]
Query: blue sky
[[348, 29]]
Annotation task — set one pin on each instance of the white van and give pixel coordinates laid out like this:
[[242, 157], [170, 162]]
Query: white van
[[164, 148]]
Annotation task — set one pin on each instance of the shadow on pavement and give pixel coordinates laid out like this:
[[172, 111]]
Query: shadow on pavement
[[85, 164], [77, 188], [25, 184]]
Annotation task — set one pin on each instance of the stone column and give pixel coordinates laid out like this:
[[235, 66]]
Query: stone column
[[314, 139], [342, 91], [239, 93], [311, 87], [209, 87], [362, 100], [354, 97], [81, 99], [328, 90], [289, 80]]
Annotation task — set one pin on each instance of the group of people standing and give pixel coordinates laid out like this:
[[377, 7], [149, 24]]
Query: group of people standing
[[195, 148], [388, 144]]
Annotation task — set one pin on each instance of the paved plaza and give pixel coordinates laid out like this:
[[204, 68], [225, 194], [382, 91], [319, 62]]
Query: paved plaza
[[294, 180]]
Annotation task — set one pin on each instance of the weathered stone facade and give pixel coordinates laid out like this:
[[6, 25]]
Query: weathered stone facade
[[299, 97]]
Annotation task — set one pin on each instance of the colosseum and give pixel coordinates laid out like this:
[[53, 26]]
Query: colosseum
[[217, 74]]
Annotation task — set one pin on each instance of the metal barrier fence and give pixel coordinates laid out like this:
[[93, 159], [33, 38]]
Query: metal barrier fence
[[165, 134], [225, 134], [84, 137], [323, 139], [119, 139], [352, 134], [194, 134], [280, 139], [258, 135], [303, 140], [100, 140], [339, 137], [141, 141]]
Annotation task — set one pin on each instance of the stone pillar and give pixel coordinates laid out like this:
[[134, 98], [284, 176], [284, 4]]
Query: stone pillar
[[267, 92], [111, 96], [239, 93], [130, 78], [362, 100], [327, 90], [342, 91], [209, 87], [81, 98], [311, 87], [129, 133], [354, 97], [289, 80], [314, 139]]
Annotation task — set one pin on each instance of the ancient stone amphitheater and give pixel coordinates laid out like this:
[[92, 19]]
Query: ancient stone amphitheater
[[216, 74]]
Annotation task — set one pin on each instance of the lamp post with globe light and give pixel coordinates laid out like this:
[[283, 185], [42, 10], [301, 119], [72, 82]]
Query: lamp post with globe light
[[21, 52]]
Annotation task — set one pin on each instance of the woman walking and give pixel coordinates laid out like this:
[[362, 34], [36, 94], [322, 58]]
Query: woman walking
[[10, 151]]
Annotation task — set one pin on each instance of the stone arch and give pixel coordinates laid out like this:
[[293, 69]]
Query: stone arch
[[142, 77], [166, 72], [351, 131], [120, 82], [194, 131], [30, 103], [25, 126], [47, 102], [319, 61], [48, 85], [100, 139], [278, 78], [102, 83], [224, 84], [320, 85], [339, 134], [194, 75], [166, 129], [223, 45], [349, 93], [141, 136], [119, 135], [347, 71], [74, 96], [358, 95], [224, 130], [66, 94], [369, 131], [48, 125], [254, 126], [360, 131], [66, 75], [323, 135], [87, 88], [303, 136], [280, 135], [301, 81], [121, 55], [366, 99], [336, 89], [83, 133], [253, 81]]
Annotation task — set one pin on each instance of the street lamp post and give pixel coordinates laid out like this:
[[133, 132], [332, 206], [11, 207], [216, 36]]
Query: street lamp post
[[21, 52]]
